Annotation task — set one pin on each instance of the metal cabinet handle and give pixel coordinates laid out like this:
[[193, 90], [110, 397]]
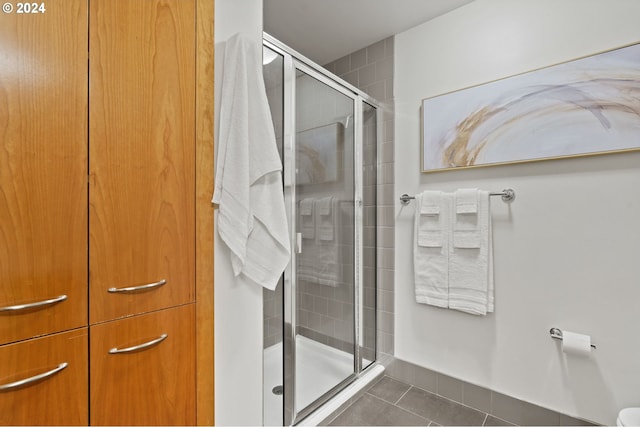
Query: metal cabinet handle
[[151, 343], [34, 304], [137, 288], [34, 379]]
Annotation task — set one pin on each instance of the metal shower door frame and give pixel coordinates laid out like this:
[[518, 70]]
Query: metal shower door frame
[[294, 62]]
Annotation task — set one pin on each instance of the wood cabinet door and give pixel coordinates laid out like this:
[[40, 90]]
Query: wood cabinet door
[[153, 385], [43, 170], [60, 398], [142, 156]]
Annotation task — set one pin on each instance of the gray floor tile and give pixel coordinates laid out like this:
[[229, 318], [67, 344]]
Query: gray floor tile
[[450, 387], [371, 411], [477, 397], [566, 420], [413, 374], [389, 389], [507, 408], [440, 410], [522, 413], [493, 421]]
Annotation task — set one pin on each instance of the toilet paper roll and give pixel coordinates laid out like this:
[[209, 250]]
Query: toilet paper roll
[[577, 344]]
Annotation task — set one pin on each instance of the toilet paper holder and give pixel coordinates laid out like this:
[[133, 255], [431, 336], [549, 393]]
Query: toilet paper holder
[[557, 334]]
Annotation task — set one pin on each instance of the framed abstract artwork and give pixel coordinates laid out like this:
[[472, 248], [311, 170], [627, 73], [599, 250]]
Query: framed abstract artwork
[[583, 107], [319, 154]]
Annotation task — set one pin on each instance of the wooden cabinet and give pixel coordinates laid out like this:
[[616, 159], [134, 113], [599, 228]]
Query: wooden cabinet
[[98, 196], [60, 398], [142, 155], [142, 211], [43, 171], [143, 369]]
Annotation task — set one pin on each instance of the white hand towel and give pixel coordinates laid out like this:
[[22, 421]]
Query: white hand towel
[[248, 189], [466, 231], [471, 260], [467, 201], [324, 205], [320, 259], [329, 255], [431, 248], [307, 259], [307, 218], [306, 206], [325, 218], [431, 233]]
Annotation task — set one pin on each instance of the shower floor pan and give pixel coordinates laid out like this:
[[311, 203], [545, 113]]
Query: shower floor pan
[[319, 367]]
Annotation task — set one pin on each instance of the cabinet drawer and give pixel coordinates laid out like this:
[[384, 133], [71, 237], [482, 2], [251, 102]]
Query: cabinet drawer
[[128, 298], [60, 398], [27, 312], [145, 367]]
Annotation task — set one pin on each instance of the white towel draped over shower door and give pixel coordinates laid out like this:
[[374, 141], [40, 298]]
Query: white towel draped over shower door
[[248, 189]]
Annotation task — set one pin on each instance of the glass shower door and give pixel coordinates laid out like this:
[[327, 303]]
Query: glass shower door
[[325, 260], [328, 135]]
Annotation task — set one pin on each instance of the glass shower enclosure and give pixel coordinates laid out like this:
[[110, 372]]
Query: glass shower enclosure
[[320, 322]]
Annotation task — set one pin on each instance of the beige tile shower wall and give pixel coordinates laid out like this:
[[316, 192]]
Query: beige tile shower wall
[[371, 70]]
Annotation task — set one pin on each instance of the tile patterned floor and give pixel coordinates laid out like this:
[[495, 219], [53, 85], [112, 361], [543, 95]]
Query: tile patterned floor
[[393, 403]]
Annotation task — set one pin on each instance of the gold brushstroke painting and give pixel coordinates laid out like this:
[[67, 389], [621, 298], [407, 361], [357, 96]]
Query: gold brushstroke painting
[[583, 107], [319, 154]]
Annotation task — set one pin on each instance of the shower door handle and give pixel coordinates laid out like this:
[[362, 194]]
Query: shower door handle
[[299, 242]]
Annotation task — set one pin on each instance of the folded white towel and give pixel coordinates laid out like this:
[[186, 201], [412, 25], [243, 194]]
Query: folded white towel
[[327, 262], [329, 258], [324, 205], [306, 207], [307, 218], [431, 248], [248, 187], [466, 232], [466, 201], [431, 232], [320, 258], [325, 218], [471, 260]]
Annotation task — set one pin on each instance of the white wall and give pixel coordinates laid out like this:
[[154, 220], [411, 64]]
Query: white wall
[[566, 250], [238, 305]]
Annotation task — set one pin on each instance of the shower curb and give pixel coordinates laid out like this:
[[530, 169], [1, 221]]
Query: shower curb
[[322, 416]]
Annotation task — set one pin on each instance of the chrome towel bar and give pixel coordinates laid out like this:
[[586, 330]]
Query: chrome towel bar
[[508, 195]]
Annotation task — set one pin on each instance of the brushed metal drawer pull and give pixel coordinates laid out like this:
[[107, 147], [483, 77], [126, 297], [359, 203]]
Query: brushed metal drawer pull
[[137, 288], [34, 304], [151, 343], [34, 379]]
